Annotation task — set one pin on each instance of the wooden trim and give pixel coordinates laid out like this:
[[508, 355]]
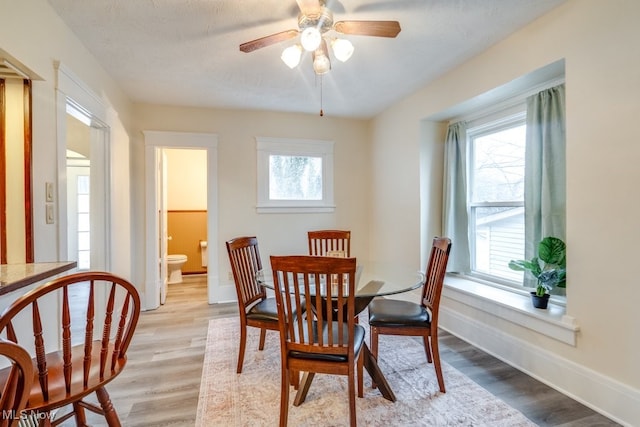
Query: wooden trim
[[3, 176], [28, 200]]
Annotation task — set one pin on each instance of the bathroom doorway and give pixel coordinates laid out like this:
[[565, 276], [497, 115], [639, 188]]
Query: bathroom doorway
[[183, 217], [157, 145]]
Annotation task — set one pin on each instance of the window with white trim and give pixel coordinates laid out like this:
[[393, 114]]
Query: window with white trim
[[496, 149], [294, 175]]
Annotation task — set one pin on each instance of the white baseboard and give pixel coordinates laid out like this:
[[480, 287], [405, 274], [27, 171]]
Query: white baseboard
[[609, 397]]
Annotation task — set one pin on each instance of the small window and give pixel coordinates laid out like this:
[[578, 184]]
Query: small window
[[496, 198], [295, 175]]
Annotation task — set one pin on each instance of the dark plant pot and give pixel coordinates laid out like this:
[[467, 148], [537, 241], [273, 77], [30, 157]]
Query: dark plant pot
[[540, 301]]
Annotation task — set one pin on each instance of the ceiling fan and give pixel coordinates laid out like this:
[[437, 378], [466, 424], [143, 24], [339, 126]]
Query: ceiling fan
[[315, 22]]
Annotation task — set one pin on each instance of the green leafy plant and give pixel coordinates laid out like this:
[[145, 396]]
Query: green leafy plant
[[549, 267]]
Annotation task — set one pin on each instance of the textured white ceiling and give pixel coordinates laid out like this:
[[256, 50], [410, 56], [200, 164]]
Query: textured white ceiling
[[185, 52]]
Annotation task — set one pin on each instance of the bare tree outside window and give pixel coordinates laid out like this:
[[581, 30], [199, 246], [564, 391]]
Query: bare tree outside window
[[295, 177], [499, 166], [497, 199]]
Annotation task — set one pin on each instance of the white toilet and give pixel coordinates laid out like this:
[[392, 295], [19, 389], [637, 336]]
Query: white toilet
[[174, 267]]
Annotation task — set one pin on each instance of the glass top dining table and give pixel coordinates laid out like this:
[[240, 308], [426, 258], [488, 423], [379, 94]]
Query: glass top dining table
[[373, 279]]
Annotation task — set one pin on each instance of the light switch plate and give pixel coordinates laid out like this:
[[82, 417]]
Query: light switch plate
[[49, 213], [49, 191]]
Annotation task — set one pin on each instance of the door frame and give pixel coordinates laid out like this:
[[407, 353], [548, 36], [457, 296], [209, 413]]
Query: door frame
[[155, 142], [70, 90]]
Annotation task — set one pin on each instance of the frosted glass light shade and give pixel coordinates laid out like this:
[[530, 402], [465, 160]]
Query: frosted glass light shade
[[291, 55], [310, 39], [321, 63], [342, 49]]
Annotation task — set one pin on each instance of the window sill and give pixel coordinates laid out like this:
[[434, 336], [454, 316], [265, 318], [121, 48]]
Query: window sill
[[512, 307]]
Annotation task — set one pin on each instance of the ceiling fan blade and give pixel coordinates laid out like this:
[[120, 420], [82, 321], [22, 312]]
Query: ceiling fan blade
[[368, 28], [309, 7], [268, 40]]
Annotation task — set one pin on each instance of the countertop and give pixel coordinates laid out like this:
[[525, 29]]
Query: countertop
[[16, 276]]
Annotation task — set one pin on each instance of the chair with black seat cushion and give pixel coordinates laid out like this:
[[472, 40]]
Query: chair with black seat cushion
[[77, 329], [328, 342], [15, 382], [329, 242], [255, 308], [395, 317]]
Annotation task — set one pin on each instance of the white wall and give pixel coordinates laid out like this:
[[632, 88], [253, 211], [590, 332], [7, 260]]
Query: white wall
[[599, 43], [237, 181], [32, 34], [186, 179]]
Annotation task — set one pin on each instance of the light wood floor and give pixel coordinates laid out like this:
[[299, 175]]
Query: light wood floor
[[160, 385]]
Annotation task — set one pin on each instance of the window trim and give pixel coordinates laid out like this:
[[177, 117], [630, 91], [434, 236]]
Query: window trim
[[267, 146]]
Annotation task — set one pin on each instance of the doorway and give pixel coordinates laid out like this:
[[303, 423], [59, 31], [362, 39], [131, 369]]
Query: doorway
[[83, 127], [183, 215], [156, 142], [86, 202]]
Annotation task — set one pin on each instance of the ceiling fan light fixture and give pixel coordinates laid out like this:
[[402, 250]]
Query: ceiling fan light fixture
[[291, 55], [321, 62], [342, 49], [310, 39]]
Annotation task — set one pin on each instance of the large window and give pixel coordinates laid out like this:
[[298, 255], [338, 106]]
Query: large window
[[505, 186], [295, 175], [496, 195]]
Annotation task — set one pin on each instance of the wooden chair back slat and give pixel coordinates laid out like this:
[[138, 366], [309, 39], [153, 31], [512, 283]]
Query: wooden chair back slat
[[11, 333], [66, 339], [88, 335], [117, 342], [106, 329], [41, 360], [321, 242]]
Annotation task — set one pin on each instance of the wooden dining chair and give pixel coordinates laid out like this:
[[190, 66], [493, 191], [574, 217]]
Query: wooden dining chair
[[255, 308], [15, 382], [77, 329], [329, 242], [395, 317], [322, 343]]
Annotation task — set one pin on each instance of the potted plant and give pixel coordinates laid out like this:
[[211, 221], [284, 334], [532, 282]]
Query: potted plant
[[549, 268]]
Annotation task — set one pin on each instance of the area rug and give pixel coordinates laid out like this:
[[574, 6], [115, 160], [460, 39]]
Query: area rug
[[253, 397]]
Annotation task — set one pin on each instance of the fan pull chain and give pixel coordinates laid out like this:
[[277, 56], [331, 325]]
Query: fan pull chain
[[321, 111]]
